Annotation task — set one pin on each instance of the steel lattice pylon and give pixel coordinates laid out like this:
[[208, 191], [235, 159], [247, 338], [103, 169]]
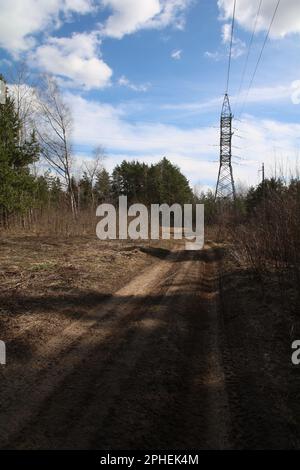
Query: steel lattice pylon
[[225, 186]]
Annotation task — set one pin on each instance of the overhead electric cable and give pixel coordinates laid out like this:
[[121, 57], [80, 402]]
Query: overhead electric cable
[[260, 55], [249, 50], [230, 48]]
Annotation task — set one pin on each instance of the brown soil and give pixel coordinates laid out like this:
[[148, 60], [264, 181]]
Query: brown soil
[[46, 283], [141, 369], [186, 355], [260, 321]]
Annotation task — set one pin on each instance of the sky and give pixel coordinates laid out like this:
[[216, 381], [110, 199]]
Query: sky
[[146, 78]]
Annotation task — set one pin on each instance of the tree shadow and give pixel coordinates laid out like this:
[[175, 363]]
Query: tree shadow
[[206, 255]]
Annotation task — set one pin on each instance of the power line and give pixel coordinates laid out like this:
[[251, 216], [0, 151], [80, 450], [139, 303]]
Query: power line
[[249, 50], [260, 56], [225, 188], [230, 49]]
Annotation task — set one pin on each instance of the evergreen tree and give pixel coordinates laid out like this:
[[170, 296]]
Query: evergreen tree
[[161, 183], [85, 190], [130, 179], [17, 185], [56, 191], [42, 191], [264, 191], [168, 185], [103, 187]]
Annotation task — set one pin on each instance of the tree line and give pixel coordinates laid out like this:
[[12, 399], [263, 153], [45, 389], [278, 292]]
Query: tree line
[[36, 132]]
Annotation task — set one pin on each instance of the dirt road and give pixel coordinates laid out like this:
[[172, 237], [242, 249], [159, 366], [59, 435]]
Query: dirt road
[[142, 370]]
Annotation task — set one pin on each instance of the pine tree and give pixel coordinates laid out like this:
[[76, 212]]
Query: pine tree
[[103, 187], [85, 191], [161, 183], [17, 185]]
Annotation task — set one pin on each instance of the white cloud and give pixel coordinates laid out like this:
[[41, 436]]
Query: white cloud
[[268, 94], [124, 81], [287, 20], [216, 56], [129, 16], [194, 150], [6, 62], [20, 20], [237, 50], [273, 142], [26, 25], [172, 13], [295, 97], [176, 55], [75, 59], [98, 123], [256, 95], [238, 46], [226, 33]]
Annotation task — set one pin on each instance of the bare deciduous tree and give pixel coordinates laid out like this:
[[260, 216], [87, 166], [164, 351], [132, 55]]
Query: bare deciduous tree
[[53, 122], [93, 167], [22, 89]]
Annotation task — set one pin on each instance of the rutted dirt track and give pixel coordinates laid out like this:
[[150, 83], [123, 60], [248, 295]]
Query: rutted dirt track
[[142, 370]]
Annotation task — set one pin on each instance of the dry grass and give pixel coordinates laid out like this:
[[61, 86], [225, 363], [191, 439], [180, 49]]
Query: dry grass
[[46, 280], [260, 325], [269, 243]]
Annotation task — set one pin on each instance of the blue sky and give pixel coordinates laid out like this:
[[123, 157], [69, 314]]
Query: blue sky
[[145, 79]]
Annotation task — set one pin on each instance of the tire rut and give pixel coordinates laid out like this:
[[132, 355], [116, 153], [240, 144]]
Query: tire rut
[[146, 373]]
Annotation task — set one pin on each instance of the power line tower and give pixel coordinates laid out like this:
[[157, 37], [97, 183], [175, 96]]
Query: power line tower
[[225, 188]]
